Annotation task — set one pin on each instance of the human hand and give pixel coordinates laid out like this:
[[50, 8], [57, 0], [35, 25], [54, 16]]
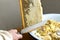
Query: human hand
[[15, 34]]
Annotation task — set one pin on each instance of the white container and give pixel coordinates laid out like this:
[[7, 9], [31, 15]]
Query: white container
[[52, 16]]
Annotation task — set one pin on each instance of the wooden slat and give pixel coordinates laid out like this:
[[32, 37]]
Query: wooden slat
[[22, 14]]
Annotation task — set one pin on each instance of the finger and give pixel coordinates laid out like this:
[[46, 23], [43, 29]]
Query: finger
[[19, 36], [14, 30]]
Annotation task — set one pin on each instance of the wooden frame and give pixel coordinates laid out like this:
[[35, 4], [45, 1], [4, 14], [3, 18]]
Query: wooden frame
[[31, 12]]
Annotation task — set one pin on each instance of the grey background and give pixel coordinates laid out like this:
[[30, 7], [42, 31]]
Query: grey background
[[10, 12], [51, 6]]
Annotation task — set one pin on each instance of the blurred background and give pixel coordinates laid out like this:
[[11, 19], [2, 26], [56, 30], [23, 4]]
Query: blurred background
[[10, 12], [51, 6]]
